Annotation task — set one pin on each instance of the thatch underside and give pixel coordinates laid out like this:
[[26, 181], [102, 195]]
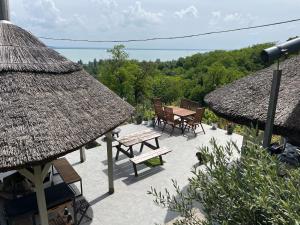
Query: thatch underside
[[246, 101], [43, 118], [49, 106]]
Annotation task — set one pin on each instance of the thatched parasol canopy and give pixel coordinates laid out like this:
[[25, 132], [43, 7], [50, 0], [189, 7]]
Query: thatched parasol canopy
[[49, 106], [245, 101]]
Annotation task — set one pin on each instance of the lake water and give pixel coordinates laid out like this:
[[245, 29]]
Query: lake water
[[87, 55]]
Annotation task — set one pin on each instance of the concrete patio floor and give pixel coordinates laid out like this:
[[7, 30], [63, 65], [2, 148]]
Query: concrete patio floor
[[130, 203]]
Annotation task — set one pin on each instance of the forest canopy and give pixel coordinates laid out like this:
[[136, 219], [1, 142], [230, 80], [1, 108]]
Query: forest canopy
[[190, 77]]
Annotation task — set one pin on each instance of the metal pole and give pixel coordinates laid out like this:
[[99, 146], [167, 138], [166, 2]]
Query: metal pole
[[272, 107], [4, 10], [110, 164]]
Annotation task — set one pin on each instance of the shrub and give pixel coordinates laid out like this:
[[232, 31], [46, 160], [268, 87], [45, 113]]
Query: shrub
[[252, 188]]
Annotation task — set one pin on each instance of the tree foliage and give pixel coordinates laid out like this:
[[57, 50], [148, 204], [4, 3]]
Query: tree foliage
[[254, 188], [190, 77]]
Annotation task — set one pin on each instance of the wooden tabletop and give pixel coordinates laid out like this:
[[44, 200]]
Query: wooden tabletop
[[138, 137], [181, 112]]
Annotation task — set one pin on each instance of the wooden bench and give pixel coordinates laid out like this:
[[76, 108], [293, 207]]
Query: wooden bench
[[148, 155], [67, 173]]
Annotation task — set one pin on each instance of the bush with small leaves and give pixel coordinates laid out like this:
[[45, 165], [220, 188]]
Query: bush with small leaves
[[246, 188]]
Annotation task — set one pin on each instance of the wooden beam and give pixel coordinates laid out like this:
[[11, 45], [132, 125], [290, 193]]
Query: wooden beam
[[40, 194], [26, 173], [82, 155], [110, 165], [37, 178], [45, 170]]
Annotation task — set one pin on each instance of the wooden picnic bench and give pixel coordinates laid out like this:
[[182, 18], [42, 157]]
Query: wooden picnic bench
[[148, 155], [67, 173], [141, 137]]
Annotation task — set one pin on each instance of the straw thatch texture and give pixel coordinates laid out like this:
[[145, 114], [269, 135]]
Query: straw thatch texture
[[245, 101], [44, 115], [20, 51]]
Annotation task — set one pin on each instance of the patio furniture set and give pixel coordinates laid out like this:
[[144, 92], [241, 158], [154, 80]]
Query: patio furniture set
[[60, 198], [188, 116], [143, 138]]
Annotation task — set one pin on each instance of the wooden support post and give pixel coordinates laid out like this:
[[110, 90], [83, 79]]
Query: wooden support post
[[37, 178], [82, 155], [110, 165]]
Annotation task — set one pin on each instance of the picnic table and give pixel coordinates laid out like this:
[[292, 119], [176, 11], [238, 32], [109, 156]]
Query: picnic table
[[141, 137], [182, 113]]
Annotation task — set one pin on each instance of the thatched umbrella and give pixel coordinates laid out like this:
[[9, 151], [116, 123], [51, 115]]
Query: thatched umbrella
[[49, 106], [245, 101]]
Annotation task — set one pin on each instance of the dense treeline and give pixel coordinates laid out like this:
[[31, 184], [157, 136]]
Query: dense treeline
[[190, 77]]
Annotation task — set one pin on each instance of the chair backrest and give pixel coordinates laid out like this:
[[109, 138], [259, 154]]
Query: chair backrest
[[189, 104], [159, 110], [192, 105], [169, 115], [157, 101], [184, 103], [199, 115]]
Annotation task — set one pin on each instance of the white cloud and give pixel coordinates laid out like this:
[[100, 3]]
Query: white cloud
[[137, 15], [215, 17], [106, 4], [190, 11], [232, 17], [45, 15], [218, 17]]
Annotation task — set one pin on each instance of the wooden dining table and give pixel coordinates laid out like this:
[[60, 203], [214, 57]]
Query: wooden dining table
[[182, 113]]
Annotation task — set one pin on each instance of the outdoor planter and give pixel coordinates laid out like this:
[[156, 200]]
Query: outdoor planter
[[214, 126], [150, 123], [139, 119], [230, 128]]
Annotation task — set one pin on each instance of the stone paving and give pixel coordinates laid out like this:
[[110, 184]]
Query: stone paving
[[130, 203]]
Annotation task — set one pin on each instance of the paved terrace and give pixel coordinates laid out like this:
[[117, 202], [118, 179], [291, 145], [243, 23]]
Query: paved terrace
[[130, 203]]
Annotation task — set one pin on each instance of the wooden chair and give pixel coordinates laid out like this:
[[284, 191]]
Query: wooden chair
[[170, 120], [157, 101], [196, 120], [189, 104], [81, 208], [159, 113], [184, 103], [192, 105]]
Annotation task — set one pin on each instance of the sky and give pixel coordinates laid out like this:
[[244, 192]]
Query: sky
[[130, 19]]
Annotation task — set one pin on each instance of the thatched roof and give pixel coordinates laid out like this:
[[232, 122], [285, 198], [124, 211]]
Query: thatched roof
[[49, 106], [245, 101]]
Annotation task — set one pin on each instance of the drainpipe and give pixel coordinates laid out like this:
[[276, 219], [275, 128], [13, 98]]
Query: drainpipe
[[4, 10]]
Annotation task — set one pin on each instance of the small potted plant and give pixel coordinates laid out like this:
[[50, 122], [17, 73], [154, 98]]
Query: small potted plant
[[151, 117], [230, 128], [145, 118], [138, 118], [201, 158], [214, 123], [212, 119]]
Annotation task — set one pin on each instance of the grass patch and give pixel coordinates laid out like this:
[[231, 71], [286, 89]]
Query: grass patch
[[153, 162]]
